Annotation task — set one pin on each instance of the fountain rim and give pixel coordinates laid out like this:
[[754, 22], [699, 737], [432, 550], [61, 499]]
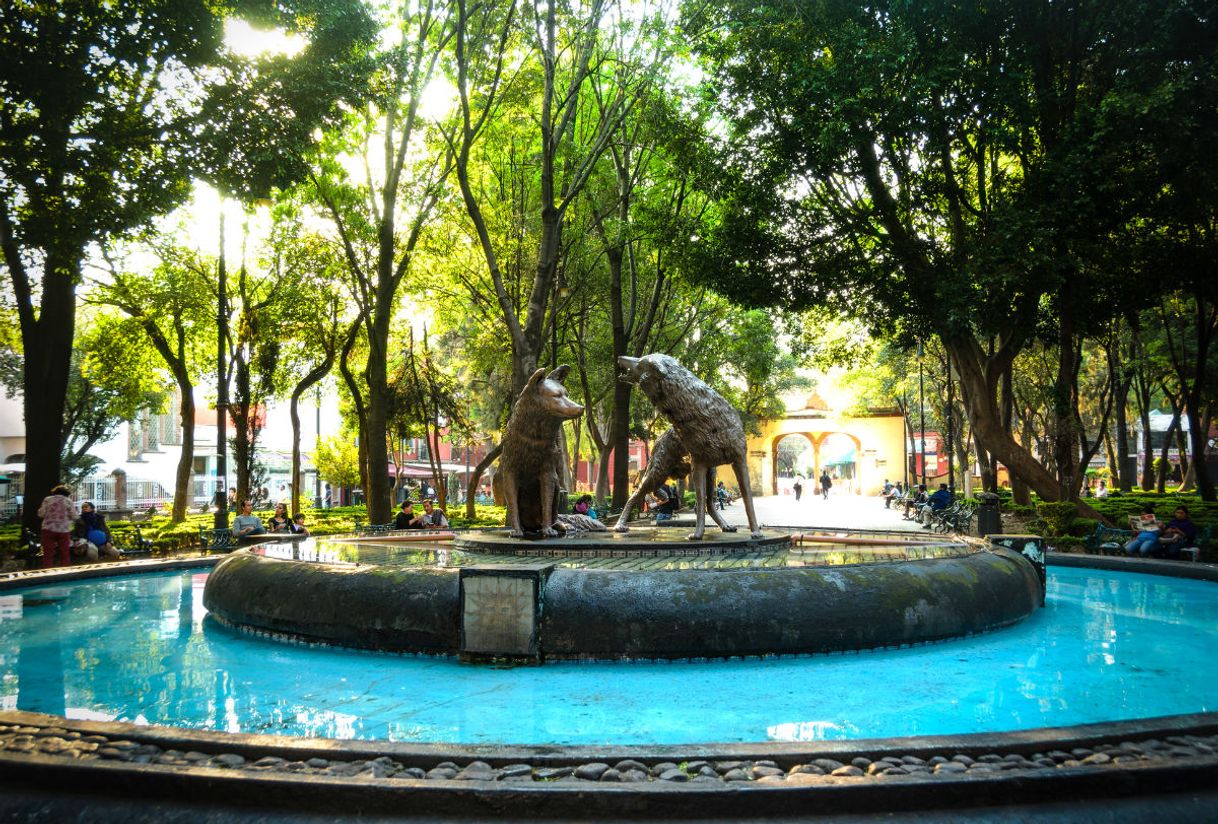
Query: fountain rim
[[453, 798]]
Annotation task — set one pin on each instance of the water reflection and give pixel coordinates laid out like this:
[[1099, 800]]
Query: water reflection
[[140, 649]]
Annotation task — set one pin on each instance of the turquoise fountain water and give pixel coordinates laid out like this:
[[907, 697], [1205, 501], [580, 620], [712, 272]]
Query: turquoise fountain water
[[1108, 646]]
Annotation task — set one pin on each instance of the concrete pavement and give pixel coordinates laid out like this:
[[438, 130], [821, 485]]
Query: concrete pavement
[[841, 511]]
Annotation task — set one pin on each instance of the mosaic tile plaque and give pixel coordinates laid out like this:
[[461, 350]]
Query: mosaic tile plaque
[[500, 609]]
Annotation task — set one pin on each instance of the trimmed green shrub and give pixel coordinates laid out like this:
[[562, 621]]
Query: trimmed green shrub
[[1058, 515]]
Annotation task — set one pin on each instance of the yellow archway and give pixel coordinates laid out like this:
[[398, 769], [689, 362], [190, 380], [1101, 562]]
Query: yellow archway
[[878, 436]]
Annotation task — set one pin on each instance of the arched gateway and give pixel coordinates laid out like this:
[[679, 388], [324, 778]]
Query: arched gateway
[[859, 450]]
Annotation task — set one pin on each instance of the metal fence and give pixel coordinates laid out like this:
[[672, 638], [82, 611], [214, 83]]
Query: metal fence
[[141, 494]]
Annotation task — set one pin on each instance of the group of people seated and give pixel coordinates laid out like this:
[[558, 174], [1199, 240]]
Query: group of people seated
[[430, 518], [91, 538], [1152, 537], [918, 506], [247, 524]]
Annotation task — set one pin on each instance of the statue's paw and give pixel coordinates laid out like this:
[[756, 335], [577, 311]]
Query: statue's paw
[[756, 534], [549, 532], [515, 533], [729, 528], [694, 536], [621, 528]]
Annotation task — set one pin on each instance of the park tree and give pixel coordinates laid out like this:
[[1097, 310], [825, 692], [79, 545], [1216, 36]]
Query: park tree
[[539, 63], [96, 110], [380, 215], [943, 170], [171, 302], [115, 377]]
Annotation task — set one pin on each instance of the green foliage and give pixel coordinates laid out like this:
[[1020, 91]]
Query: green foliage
[[337, 460], [1058, 515]]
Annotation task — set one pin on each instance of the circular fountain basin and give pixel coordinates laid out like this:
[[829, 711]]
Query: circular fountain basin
[[612, 596]]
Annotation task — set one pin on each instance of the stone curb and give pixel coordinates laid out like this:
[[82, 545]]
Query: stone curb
[[1152, 756], [111, 569]]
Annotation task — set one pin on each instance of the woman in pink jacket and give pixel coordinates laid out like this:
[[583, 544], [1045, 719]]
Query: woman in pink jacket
[[58, 513]]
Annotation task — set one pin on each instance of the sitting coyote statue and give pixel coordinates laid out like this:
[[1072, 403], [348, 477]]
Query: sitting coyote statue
[[529, 463], [708, 427]]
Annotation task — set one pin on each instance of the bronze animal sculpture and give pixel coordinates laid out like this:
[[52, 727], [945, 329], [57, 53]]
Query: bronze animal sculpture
[[707, 425], [668, 460], [530, 459]]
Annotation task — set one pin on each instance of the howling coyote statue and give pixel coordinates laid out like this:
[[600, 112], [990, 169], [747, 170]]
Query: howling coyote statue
[[530, 460], [708, 427]]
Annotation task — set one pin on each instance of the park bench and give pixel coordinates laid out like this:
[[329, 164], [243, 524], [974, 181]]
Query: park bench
[[364, 529], [957, 517], [217, 540], [131, 543], [1106, 540]]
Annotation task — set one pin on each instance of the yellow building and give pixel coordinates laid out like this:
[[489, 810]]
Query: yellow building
[[859, 451]]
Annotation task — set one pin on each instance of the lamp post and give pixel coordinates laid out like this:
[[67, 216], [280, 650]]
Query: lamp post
[[921, 415], [951, 416], [221, 517]]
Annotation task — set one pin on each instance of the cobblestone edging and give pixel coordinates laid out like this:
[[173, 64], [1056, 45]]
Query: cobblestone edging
[[72, 745]]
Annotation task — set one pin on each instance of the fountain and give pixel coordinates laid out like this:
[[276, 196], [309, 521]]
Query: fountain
[[538, 591]]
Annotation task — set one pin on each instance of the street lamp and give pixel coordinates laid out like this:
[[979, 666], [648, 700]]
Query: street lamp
[[922, 413]]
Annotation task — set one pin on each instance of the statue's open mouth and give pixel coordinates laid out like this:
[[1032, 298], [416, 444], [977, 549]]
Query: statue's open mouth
[[627, 369]]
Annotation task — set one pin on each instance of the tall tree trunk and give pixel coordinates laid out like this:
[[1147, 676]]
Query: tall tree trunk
[[186, 461], [306, 383], [47, 344], [1020, 494], [1164, 467], [475, 475]]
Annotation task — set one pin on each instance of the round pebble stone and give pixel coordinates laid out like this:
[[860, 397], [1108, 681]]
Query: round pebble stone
[[950, 767], [907, 760], [295, 766], [937, 759], [125, 745], [860, 762], [45, 732], [762, 771], [723, 767], [85, 746], [1060, 756], [110, 752], [891, 759], [990, 758], [895, 771], [736, 775], [416, 773], [268, 761], [53, 744], [662, 767], [962, 759], [765, 764], [516, 771], [849, 770], [318, 763], [1123, 759], [475, 771], [442, 773], [696, 766], [630, 764], [591, 772], [675, 774], [1071, 762], [554, 773], [611, 776], [773, 779], [877, 767], [195, 756], [633, 776], [1081, 752], [803, 778], [96, 739], [228, 759], [708, 771], [806, 769]]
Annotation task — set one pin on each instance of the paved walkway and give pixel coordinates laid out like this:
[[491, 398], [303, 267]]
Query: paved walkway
[[839, 511]]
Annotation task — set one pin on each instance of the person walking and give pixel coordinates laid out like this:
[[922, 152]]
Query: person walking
[[58, 514], [826, 483], [798, 488]]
